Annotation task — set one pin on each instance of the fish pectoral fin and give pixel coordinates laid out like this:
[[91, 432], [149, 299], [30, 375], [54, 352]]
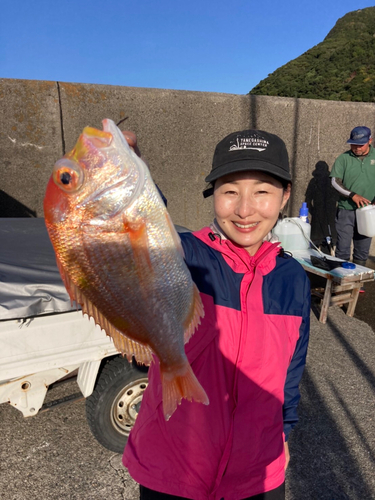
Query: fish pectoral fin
[[179, 384], [137, 233], [193, 319]]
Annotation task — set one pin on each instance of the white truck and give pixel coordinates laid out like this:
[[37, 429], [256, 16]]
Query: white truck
[[44, 339]]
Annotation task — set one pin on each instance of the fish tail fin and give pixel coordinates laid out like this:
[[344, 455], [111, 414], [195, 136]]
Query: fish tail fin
[[179, 384], [196, 312]]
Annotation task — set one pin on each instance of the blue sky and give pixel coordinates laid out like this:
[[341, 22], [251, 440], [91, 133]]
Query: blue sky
[[216, 46]]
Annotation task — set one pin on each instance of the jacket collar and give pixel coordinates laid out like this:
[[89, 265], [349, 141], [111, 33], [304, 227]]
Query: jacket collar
[[238, 258]]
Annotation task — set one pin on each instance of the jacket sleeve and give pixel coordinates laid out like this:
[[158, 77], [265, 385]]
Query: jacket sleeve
[[296, 367]]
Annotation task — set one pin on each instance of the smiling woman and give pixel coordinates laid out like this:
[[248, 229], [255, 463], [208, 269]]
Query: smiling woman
[[247, 206], [249, 350]]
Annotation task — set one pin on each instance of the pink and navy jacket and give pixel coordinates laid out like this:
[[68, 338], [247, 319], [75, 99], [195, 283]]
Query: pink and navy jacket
[[249, 354]]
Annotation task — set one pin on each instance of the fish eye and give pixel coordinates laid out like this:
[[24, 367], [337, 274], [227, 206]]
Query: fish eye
[[68, 175], [65, 178]]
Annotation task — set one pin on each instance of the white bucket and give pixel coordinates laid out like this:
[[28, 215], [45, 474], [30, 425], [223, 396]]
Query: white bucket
[[366, 220], [293, 233]]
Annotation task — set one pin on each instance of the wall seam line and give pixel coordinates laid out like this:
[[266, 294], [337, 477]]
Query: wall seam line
[[61, 119]]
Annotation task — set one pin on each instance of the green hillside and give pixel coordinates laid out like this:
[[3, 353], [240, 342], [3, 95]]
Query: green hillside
[[341, 68]]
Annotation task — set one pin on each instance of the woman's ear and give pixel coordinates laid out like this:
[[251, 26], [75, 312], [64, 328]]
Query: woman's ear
[[286, 195]]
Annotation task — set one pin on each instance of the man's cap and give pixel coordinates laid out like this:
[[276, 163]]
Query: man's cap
[[249, 150], [359, 135]]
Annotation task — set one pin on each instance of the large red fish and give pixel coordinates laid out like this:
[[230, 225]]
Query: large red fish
[[121, 258]]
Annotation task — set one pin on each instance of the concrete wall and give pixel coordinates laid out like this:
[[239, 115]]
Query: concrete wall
[[177, 133]]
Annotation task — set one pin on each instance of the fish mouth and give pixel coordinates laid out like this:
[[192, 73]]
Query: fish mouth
[[123, 186], [98, 138]]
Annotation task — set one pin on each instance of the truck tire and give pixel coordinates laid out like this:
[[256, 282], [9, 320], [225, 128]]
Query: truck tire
[[113, 406]]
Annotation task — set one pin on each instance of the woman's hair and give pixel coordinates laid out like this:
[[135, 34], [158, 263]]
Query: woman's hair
[[283, 182]]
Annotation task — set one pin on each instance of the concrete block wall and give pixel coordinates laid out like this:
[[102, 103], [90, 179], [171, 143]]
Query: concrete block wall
[[177, 133]]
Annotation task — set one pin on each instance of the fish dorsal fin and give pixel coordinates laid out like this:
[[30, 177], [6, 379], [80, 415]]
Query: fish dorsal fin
[[126, 346], [196, 312]]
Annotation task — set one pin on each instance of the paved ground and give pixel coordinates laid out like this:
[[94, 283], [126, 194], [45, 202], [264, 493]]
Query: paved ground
[[53, 455], [333, 448], [365, 309]]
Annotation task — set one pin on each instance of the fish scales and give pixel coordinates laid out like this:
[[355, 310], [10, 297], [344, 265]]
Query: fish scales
[[121, 259]]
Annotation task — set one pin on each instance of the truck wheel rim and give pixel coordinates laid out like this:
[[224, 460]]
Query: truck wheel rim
[[126, 406]]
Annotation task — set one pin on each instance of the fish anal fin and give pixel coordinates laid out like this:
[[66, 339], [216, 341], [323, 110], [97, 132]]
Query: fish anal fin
[[180, 384], [70, 288], [124, 344], [129, 348], [194, 316], [137, 233]]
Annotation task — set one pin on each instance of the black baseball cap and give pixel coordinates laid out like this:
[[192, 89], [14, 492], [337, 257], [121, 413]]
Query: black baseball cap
[[249, 150]]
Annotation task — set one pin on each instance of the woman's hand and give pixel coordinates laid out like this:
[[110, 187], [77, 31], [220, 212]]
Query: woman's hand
[[287, 456], [131, 139]]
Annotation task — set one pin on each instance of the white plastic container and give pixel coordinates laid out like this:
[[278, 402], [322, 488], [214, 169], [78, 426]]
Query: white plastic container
[[366, 220], [293, 233]]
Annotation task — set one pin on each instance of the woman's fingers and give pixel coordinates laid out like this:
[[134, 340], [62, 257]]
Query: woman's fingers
[[131, 139]]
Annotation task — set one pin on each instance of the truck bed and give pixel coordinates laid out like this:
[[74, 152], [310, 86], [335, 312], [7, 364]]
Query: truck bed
[[30, 283], [43, 337]]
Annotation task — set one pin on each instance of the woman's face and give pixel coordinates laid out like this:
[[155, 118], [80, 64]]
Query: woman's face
[[247, 206]]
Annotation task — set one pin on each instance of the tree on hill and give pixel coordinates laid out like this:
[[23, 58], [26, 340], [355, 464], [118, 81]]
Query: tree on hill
[[341, 68]]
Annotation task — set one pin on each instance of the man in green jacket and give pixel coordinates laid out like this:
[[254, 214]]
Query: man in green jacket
[[353, 176]]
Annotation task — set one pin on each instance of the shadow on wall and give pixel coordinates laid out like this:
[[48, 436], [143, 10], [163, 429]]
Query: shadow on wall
[[321, 200], [10, 207]]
